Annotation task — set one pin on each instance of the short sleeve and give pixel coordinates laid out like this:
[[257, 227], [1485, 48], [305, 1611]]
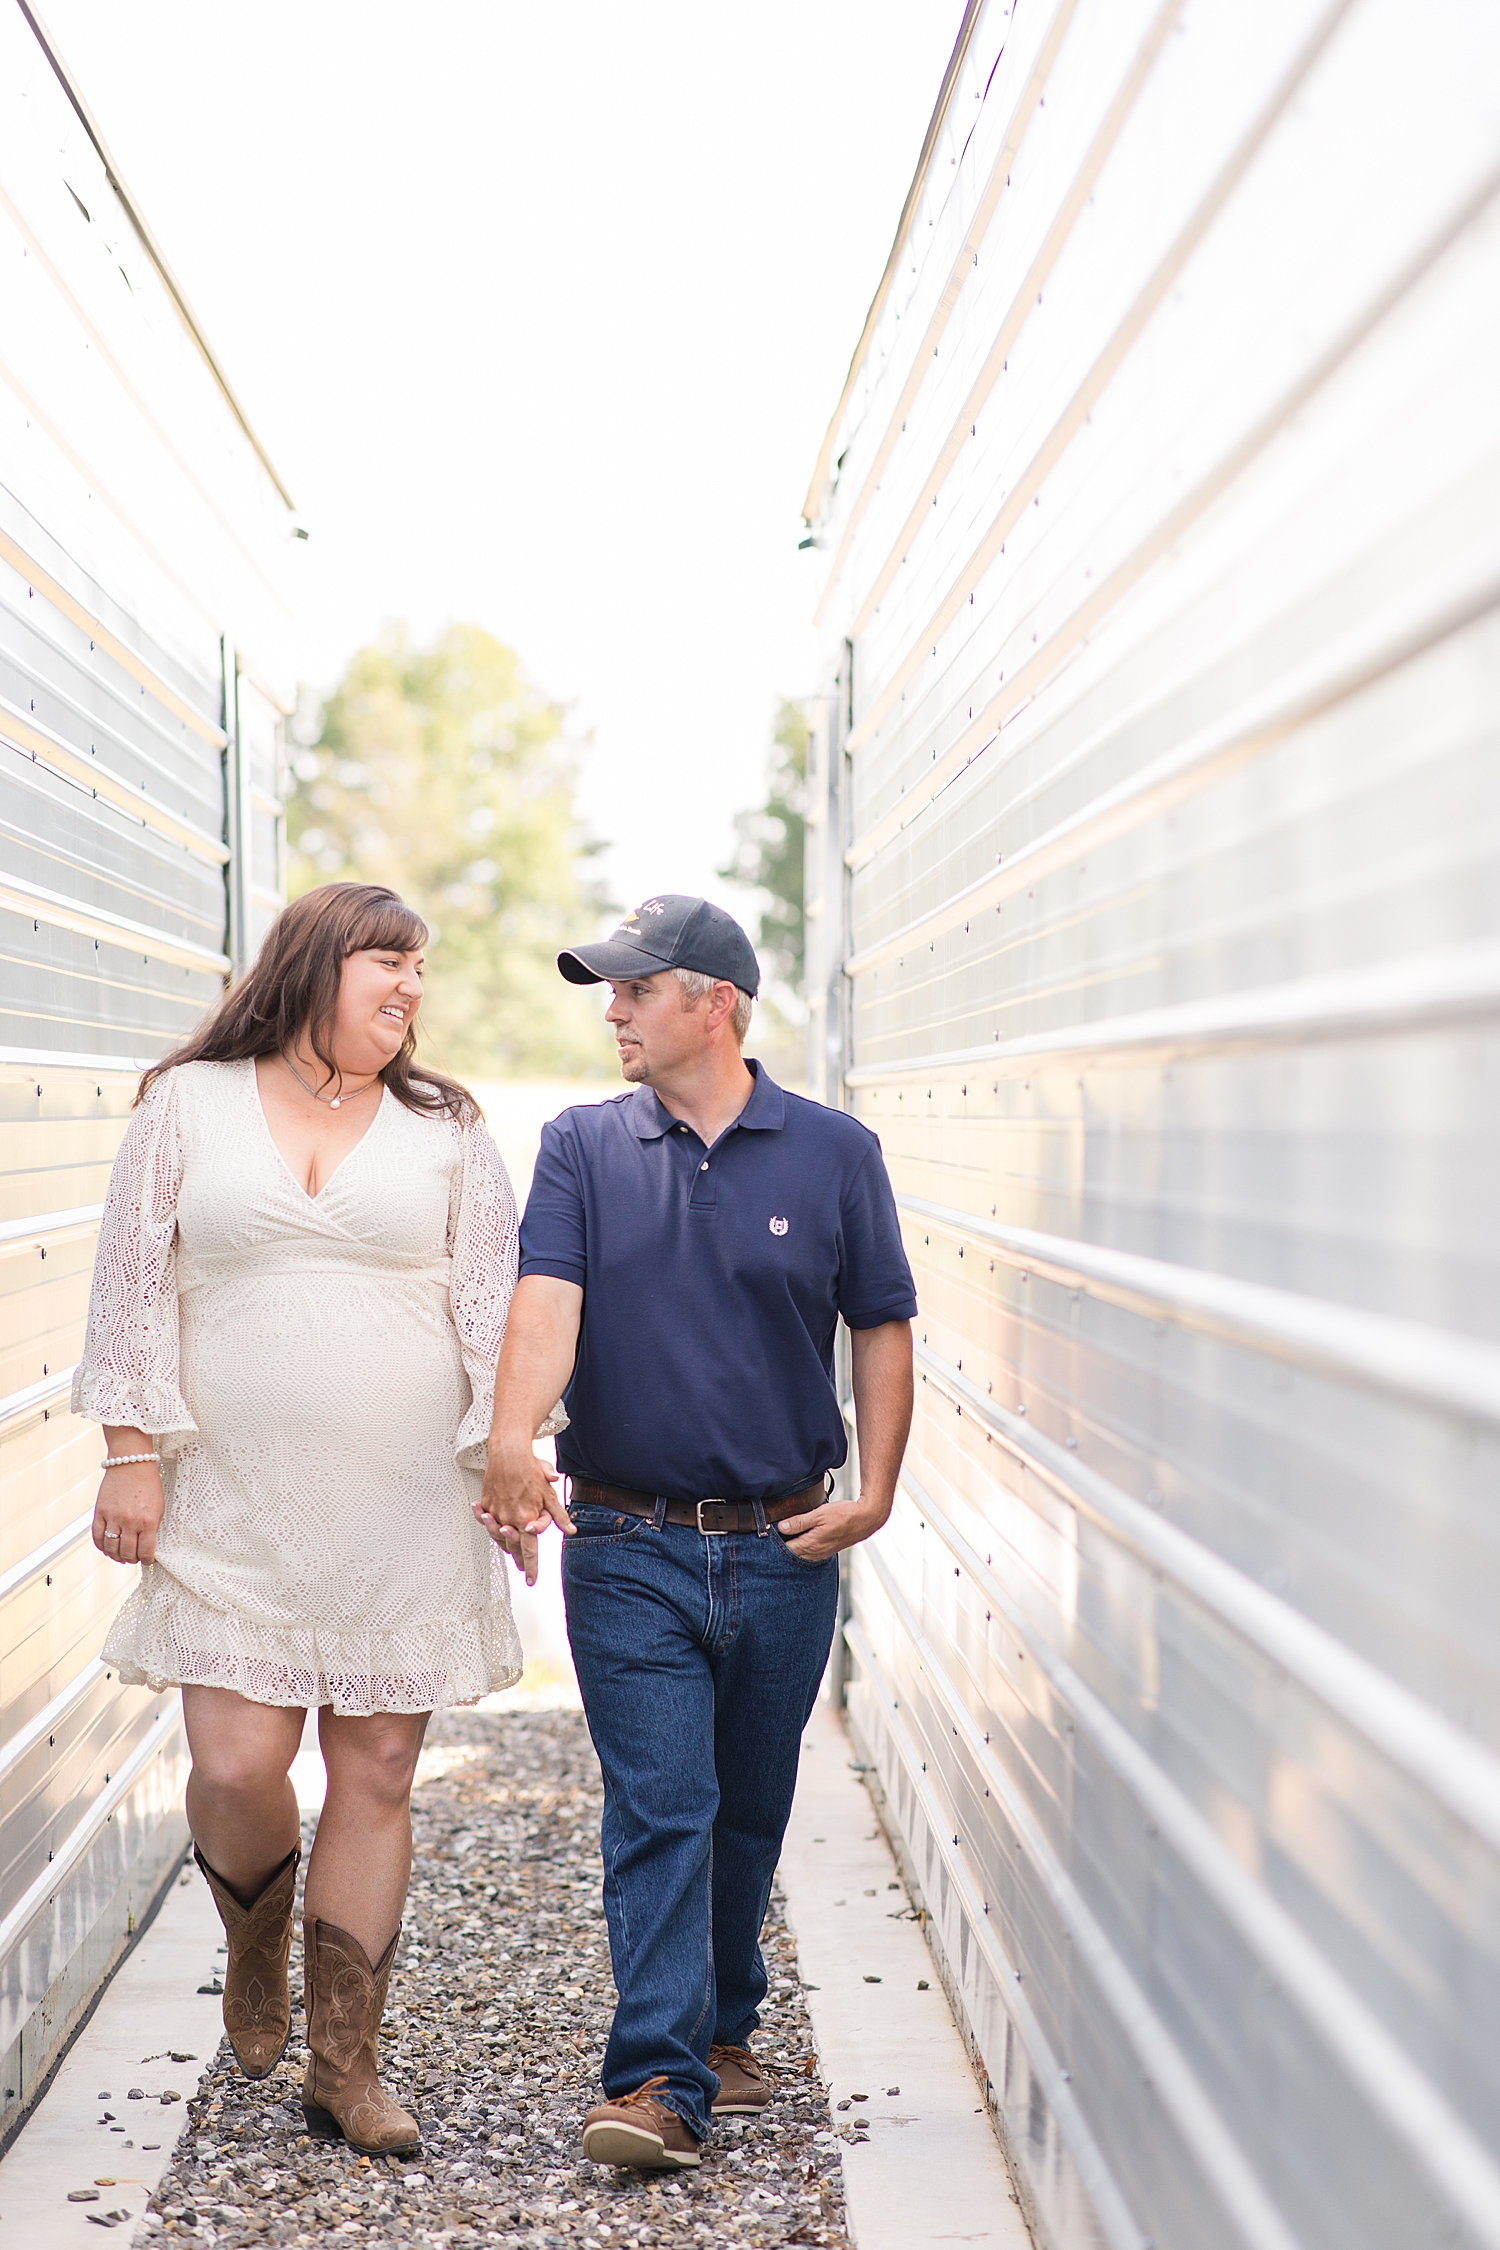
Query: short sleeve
[[875, 1283], [129, 1375], [554, 1234]]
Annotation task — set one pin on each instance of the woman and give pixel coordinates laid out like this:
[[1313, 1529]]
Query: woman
[[303, 1274]]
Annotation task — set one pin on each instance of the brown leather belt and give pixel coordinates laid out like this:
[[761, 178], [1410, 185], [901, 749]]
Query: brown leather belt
[[701, 1515]]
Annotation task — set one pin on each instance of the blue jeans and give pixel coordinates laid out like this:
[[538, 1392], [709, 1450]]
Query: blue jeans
[[698, 1657]]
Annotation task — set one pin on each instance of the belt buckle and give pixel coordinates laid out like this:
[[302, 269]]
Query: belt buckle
[[698, 1508]]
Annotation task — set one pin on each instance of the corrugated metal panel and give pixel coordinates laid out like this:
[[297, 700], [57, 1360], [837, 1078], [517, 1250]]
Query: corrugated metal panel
[[141, 544], [1164, 566]]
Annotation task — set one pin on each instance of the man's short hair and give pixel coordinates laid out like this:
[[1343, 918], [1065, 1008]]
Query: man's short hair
[[696, 986]]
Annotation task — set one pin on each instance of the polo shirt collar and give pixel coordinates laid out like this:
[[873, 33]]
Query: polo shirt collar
[[765, 1112]]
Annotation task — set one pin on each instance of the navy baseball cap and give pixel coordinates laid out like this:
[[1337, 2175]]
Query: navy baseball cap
[[667, 931]]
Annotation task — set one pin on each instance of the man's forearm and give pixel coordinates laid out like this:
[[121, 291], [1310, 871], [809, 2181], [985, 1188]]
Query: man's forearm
[[883, 1392], [536, 1362], [541, 1342], [882, 1419]]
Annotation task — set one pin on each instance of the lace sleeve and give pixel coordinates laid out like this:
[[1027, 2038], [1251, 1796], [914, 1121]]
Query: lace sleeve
[[484, 1242], [128, 1375]]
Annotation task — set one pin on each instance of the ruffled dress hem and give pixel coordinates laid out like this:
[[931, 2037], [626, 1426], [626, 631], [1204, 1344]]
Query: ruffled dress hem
[[170, 1638]]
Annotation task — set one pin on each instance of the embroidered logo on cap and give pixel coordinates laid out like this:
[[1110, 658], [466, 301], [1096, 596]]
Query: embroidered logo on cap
[[779, 1226], [652, 906]]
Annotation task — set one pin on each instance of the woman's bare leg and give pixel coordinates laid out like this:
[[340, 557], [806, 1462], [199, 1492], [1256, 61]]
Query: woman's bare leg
[[241, 1806], [361, 1861]]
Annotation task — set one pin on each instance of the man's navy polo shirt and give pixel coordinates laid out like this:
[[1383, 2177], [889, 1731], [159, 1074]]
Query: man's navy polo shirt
[[713, 1280]]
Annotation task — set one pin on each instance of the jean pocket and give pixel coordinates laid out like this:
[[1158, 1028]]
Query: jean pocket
[[595, 1527], [801, 1562]]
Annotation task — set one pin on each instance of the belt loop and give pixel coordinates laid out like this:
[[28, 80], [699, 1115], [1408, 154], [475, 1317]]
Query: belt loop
[[760, 1519], [830, 1479], [659, 1514]]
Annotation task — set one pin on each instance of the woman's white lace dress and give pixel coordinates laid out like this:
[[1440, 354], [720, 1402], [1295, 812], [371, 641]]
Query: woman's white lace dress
[[317, 1373]]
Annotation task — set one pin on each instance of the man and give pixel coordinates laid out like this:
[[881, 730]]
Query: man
[[686, 1254]]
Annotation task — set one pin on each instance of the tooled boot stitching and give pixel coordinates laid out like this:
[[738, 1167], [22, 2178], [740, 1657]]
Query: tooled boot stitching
[[352, 2003], [343, 2032], [257, 2006], [355, 1995]]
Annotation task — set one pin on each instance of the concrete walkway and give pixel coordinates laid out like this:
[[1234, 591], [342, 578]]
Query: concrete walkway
[[152, 2031], [925, 2168]]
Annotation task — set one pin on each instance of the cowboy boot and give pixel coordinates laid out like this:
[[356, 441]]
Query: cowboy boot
[[342, 2096], [257, 2003]]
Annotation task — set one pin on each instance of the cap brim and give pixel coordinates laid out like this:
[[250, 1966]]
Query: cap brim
[[608, 963]]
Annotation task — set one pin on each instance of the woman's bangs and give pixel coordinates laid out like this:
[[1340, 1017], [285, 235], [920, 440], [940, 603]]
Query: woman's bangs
[[388, 925]]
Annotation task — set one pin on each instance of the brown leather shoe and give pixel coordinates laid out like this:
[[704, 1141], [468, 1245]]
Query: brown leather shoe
[[743, 2091], [342, 2097], [257, 2001], [641, 2131]]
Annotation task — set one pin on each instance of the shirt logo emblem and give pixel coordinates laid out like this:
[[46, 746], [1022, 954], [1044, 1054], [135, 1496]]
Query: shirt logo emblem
[[779, 1226]]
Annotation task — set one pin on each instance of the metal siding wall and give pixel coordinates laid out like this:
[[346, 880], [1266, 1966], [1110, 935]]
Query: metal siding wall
[[1165, 534], [134, 516]]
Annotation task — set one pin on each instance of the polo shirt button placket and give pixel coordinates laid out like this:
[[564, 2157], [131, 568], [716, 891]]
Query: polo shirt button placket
[[701, 1195]]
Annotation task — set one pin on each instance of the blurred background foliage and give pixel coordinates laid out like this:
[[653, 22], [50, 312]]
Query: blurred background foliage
[[768, 853], [445, 773], [767, 859]]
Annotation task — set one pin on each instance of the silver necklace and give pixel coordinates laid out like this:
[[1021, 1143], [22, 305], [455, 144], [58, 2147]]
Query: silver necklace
[[338, 1100]]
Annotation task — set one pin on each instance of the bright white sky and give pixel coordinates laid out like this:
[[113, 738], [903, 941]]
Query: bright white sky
[[541, 312]]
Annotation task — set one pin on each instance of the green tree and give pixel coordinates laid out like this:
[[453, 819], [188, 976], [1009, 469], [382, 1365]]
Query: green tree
[[768, 850], [445, 773]]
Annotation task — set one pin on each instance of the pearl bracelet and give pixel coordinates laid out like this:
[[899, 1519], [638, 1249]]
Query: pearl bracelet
[[123, 1460]]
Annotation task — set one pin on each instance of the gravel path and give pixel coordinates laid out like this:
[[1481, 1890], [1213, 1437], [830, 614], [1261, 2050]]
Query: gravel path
[[499, 2008]]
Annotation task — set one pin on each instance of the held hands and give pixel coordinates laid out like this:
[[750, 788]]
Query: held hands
[[518, 1502], [828, 1530], [128, 1513]]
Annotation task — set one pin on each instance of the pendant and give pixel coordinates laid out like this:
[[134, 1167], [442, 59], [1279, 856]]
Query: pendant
[[335, 1102]]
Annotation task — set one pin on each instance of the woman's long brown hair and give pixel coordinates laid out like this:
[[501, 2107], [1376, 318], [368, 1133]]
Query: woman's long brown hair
[[293, 989]]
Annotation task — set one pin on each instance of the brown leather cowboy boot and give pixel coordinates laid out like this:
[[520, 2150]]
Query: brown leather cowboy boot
[[257, 2003], [342, 2097]]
